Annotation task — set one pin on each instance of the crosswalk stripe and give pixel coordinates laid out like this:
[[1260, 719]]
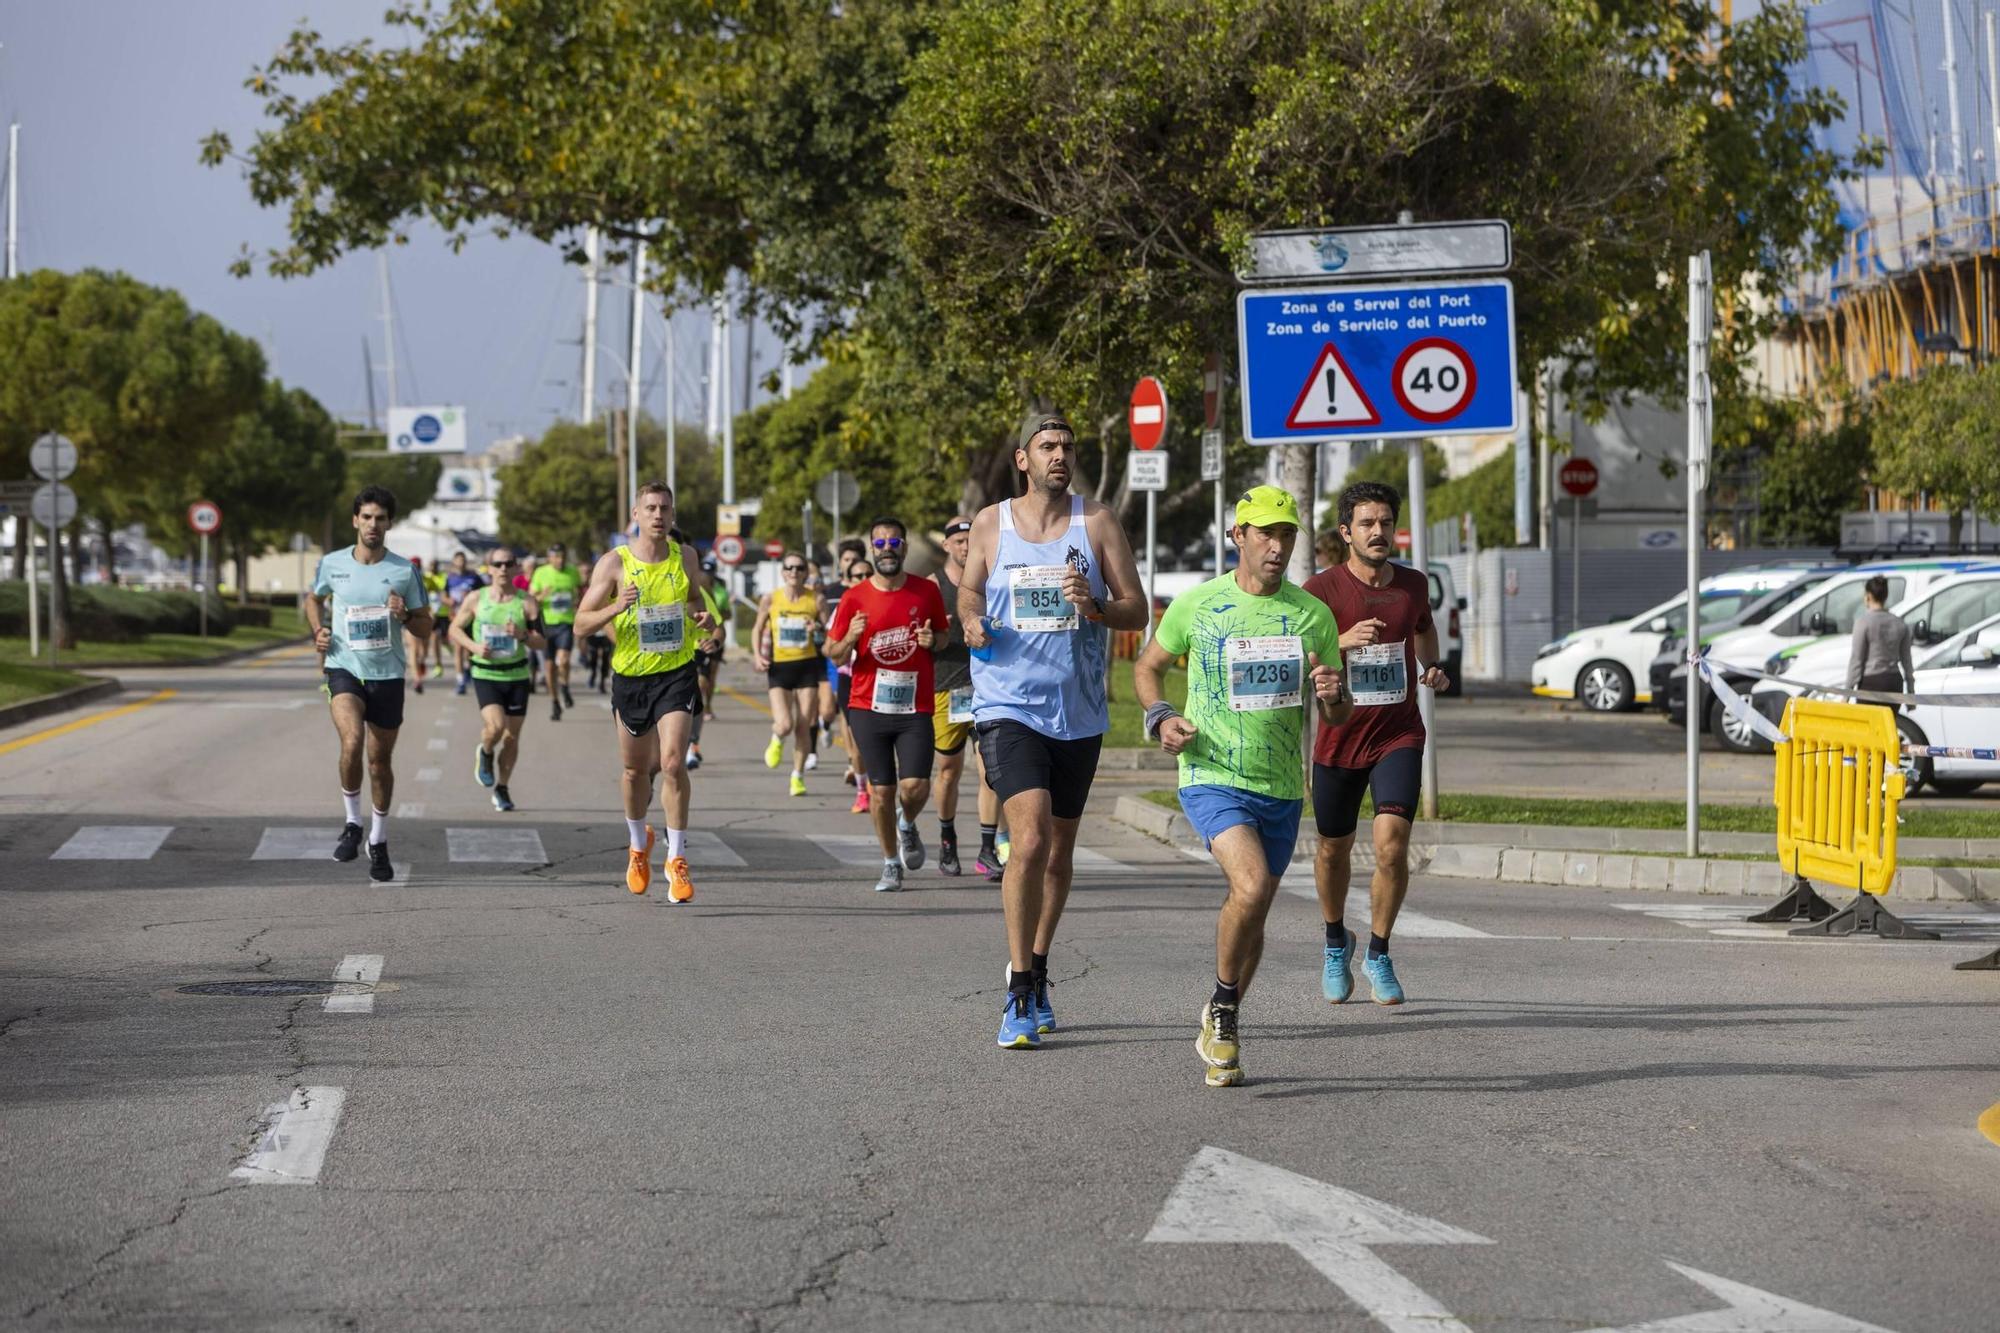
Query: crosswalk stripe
[[521, 845], [1299, 882], [708, 849], [1727, 921], [861, 849], [113, 842], [357, 970], [296, 844]]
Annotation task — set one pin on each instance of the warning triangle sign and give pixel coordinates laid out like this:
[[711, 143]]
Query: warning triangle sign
[[1332, 396]]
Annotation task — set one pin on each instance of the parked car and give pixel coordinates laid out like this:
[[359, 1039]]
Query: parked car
[[1608, 667], [1828, 613], [1668, 672], [1966, 663], [1446, 606]]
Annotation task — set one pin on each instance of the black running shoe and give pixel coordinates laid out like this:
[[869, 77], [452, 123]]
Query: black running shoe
[[349, 845], [379, 868], [569, 700], [948, 856], [501, 800], [555, 711]]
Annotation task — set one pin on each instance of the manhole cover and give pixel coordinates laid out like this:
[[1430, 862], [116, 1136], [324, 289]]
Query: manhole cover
[[265, 986]]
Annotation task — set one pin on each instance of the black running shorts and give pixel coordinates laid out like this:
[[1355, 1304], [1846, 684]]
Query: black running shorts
[[892, 745], [509, 696], [381, 700], [1394, 778], [641, 701], [1019, 758], [562, 638], [804, 674]]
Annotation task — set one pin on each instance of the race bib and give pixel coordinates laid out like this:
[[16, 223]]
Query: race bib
[[794, 631], [895, 692], [960, 709], [367, 628], [662, 627], [1265, 673], [560, 603], [1376, 675], [1035, 593], [497, 642]]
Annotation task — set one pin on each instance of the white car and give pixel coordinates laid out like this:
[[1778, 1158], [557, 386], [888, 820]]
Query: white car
[[1608, 667]]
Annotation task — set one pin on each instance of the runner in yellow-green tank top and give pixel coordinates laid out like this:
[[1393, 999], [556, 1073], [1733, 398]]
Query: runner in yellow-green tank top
[[496, 626], [658, 618], [556, 587]]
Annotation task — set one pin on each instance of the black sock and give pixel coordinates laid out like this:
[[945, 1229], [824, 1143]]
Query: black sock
[[1019, 983], [948, 830], [987, 832], [1225, 993], [1336, 935], [1039, 964], [1378, 946]]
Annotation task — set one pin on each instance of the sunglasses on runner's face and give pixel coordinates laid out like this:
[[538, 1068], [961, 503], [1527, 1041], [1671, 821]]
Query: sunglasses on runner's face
[[795, 569], [888, 543], [503, 564]]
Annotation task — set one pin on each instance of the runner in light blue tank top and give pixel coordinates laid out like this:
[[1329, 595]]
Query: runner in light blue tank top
[[1046, 663]]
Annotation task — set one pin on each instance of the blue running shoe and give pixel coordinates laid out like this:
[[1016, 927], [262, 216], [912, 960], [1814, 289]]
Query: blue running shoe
[[1017, 1023], [1336, 978], [482, 766], [1382, 976], [1045, 1013]]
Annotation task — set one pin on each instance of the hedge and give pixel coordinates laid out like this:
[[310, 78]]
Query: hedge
[[104, 614]]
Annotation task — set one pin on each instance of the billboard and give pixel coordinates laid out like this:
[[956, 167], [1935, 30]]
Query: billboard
[[427, 430]]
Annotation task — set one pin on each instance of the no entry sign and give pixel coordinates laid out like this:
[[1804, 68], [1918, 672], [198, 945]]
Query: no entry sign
[[1148, 414], [1578, 477]]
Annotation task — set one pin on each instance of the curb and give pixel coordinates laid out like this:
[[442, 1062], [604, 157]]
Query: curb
[[1136, 759], [223, 660], [1510, 862], [62, 701]]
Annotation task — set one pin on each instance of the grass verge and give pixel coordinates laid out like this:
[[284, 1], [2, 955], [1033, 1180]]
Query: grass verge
[[286, 626], [1128, 720], [1918, 822], [20, 683]]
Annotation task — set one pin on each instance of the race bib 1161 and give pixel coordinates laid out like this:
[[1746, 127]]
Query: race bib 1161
[[1376, 675]]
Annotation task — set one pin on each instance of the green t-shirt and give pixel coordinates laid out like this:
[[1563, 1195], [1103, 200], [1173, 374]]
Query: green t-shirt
[[556, 590], [1247, 686]]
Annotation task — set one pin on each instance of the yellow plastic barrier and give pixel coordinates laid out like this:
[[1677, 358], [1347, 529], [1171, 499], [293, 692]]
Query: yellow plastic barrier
[[1839, 781]]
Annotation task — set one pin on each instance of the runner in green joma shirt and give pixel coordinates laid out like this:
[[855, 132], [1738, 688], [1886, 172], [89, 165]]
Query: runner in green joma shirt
[[497, 625], [557, 586], [1257, 648]]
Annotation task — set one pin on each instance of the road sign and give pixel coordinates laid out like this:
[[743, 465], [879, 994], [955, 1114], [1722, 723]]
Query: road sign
[[1211, 391], [204, 516], [1148, 414], [1578, 477], [1146, 471], [729, 549], [1211, 455], [1391, 361], [427, 430], [21, 491], [837, 492], [774, 549], [1431, 248], [52, 457], [55, 505]]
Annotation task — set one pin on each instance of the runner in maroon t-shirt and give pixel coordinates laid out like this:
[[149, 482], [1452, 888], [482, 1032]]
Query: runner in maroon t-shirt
[[887, 624], [1391, 648]]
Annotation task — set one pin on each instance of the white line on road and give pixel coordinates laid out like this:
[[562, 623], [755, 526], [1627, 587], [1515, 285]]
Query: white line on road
[[285, 706], [1413, 925], [360, 971], [409, 809], [487, 843], [439, 743], [296, 1135], [429, 774], [861, 849], [708, 849], [113, 842], [443, 721], [295, 844]]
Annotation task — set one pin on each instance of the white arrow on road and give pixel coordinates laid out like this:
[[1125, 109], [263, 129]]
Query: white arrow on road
[[1225, 1198], [1749, 1311]]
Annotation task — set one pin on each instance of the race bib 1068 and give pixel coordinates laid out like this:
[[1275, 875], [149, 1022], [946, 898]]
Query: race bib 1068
[[1035, 595], [1265, 673], [1376, 675], [367, 628]]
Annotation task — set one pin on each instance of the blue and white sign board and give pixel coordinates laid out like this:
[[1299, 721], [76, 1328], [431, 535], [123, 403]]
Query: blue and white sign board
[[427, 430], [1394, 361]]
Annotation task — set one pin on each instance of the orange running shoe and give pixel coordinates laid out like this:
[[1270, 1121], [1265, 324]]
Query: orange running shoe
[[638, 874], [680, 885]]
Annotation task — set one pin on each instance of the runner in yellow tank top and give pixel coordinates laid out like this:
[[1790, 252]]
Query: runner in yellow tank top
[[657, 616], [795, 618]]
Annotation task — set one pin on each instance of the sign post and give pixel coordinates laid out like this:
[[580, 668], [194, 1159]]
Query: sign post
[[1147, 418], [53, 458], [17, 499], [1578, 477], [1700, 409], [204, 517], [1212, 468], [837, 491]]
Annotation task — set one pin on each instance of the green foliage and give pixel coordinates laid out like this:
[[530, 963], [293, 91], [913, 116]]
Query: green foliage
[[564, 488], [1940, 434], [106, 614], [1390, 465], [278, 471], [411, 478], [1486, 493], [1780, 460]]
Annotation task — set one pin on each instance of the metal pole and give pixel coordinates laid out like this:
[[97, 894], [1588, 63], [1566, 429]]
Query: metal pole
[[204, 585], [727, 407], [1700, 312], [388, 327], [1152, 544], [55, 590], [673, 453], [1993, 105], [1950, 68], [1221, 533], [14, 189], [1545, 470], [1427, 804], [34, 594], [638, 349], [589, 325], [1575, 563], [806, 527]]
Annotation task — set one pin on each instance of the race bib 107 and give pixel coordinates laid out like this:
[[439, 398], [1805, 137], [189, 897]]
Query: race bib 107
[[895, 692]]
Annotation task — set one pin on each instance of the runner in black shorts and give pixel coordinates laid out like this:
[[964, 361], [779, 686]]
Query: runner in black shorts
[[794, 619]]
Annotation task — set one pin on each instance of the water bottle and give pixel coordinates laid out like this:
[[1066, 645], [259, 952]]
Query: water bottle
[[994, 631]]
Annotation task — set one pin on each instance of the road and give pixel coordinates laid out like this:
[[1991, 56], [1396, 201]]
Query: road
[[561, 1107]]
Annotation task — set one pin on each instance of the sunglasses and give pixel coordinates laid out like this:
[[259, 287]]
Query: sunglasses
[[502, 564], [888, 543], [794, 569]]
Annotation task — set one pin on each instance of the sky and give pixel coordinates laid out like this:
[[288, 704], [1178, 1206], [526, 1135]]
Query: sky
[[113, 98]]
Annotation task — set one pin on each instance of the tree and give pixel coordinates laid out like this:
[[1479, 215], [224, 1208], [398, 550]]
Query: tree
[[279, 472], [564, 488], [1390, 465], [1939, 434], [1487, 494]]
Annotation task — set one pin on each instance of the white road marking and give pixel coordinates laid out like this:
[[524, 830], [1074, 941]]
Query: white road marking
[[490, 843], [286, 706], [113, 842], [861, 849], [443, 721], [1224, 1198], [429, 774], [708, 849], [1749, 1311], [409, 809], [360, 971], [1298, 882], [1731, 921], [295, 844], [297, 1133], [438, 743]]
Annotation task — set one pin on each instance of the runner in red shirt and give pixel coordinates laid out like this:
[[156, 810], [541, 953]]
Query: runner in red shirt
[[1391, 649], [887, 625]]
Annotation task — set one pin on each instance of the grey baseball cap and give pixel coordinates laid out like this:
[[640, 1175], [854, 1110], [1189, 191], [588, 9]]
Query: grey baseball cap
[[1035, 423]]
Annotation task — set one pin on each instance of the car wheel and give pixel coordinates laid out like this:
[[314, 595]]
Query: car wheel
[[1454, 667], [1605, 687], [1734, 736], [1919, 769]]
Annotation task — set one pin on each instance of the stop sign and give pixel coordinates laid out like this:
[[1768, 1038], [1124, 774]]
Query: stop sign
[[1148, 414], [1578, 477], [774, 549]]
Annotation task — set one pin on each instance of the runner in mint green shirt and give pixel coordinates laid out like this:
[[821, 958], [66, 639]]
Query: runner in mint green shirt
[[1257, 649]]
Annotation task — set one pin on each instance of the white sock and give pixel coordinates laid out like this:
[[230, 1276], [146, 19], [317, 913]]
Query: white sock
[[676, 842], [352, 800], [378, 827], [635, 829]]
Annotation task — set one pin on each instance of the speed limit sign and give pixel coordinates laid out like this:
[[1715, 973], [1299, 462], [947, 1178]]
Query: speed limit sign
[[1434, 379], [729, 549], [204, 516]]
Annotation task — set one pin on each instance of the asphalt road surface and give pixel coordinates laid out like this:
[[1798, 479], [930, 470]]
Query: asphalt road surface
[[532, 1100]]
